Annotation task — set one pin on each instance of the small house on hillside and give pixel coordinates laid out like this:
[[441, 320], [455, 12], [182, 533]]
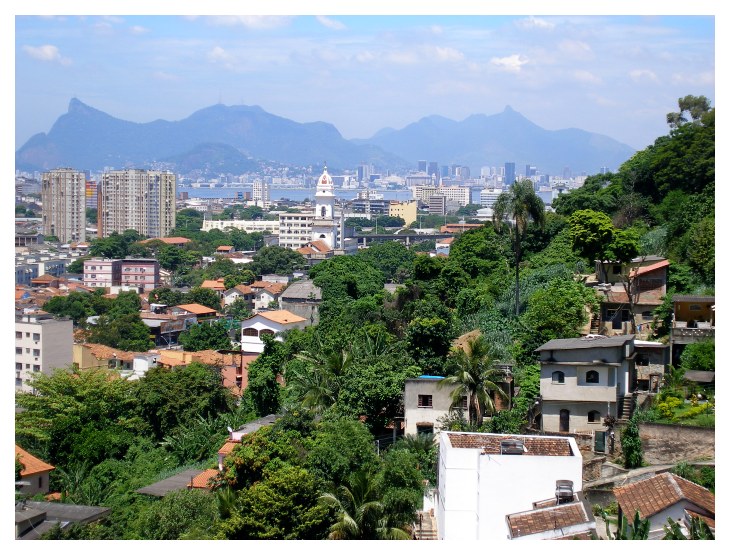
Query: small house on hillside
[[35, 473], [271, 322]]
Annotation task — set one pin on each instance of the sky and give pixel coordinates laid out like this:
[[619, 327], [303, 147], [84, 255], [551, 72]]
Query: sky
[[616, 75]]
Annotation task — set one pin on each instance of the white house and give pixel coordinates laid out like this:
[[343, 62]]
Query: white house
[[485, 478], [271, 322]]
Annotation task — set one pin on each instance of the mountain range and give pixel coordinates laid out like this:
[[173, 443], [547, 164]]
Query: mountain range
[[236, 139]]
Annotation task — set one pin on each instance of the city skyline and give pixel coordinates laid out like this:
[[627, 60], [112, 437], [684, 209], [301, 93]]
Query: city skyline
[[613, 75]]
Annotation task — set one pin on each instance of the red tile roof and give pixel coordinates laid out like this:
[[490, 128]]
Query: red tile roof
[[659, 492], [169, 240], [201, 480], [492, 444], [103, 352], [647, 269], [228, 447], [216, 284], [32, 464], [543, 520], [196, 308], [281, 316], [224, 248]]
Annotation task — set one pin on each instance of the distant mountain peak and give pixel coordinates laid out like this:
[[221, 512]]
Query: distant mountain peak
[[508, 110]]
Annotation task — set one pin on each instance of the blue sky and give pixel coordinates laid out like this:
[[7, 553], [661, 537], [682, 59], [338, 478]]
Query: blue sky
[[609, 74]]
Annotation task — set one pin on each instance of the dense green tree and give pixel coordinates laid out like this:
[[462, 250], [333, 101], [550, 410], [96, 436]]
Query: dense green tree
[[115, 245], [166, 296], [699, 356], [389, 257], [591, 232], [317, 383], [277, 260], [401, 482], [206, 336], [426, 267], [520, 205], [84, 415], [472, 372], [263, 391], [78, 306], [428, 342], [77, 266], [188, 219], [204, 296], [633, 451], [593, 195], [282, 506], [240, 309], [173, 397], [347, 276], [177, 514], [691, 109], [126, 332], [361, 514], [478, 252]]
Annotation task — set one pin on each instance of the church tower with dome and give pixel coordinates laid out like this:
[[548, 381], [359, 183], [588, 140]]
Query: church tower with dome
[[325, 225]]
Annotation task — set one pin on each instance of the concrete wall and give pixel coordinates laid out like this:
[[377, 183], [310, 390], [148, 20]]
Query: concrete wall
[[666, 444], [441, 398], [578, 415]]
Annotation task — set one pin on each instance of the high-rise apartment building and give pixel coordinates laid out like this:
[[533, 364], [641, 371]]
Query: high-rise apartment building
[[136, 199], [63, 194], [261, 193], [42, 343], [509, 174]]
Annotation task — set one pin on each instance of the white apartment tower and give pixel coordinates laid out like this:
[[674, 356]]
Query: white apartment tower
[[261, 193], [42, 343], [137, 199], [63, 194]]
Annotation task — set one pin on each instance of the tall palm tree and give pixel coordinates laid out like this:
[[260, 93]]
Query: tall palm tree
[[361, 514], [519, 205], [318, 387], [474, 375]]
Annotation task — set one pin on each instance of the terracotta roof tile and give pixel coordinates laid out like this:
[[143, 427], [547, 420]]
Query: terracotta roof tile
[[320, 246], [647, 269], [216, 284], [659, 492], [260, 284], [275, 288], [196, 308], [201, 480], [169, 240], [32, 464], [281, 316], [550, 518], [243, 289], [709, 521], [228, 447], [103, 352], [538, 446]]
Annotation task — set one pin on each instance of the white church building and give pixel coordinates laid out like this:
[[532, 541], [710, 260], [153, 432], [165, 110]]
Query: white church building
[[323, 224]]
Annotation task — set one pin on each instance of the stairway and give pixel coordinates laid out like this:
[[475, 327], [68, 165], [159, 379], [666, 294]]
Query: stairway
[[425, 527], [595, 325], [625, 408]]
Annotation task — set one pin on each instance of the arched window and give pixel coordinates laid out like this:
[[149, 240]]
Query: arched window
[[594, 416], [324, 211], [558, 377], [266, 332], [322, 236], [592, 376], [564, 420], [250, 332]]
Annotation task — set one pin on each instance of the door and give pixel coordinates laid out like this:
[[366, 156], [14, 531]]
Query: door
[[564, 420], [599, 442]]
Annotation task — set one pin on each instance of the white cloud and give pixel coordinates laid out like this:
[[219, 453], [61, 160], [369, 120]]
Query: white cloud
[[103, 28], [638, 75], [218, 54], [251, 21], [534, 23], [576, 48], [404, 58], [138, 30], [331, 23], [448, 54], [512, 63], [587, 77], [365, 57], [46, 53]]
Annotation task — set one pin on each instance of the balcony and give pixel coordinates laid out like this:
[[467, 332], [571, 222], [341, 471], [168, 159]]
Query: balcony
[[681, 333]]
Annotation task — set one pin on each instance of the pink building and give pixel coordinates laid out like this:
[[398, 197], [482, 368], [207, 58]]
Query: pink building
[[102, 272], [143, 273]]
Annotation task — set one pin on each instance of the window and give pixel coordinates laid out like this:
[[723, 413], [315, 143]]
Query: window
[[250, 332], [18, 350], [18, 335], [36, 368], [558, 377], [464, 403], [594, 416], [425, 401], [36, 352], [266, 332], [18, 365], [592, 376], [695, 307], [424, 428], [617, 269], [36, 337]]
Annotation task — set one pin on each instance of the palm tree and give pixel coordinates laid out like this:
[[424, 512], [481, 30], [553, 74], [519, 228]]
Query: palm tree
[[360, 513], [474, 375], [318, 387], [521, 205]]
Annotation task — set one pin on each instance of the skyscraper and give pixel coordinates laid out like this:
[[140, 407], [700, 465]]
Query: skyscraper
[[136, 199], [261, 193], [63, 194], [422, 165], [509, 174], [433, 169]]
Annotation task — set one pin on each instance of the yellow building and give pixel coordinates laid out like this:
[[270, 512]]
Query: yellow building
[[405, 209]]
